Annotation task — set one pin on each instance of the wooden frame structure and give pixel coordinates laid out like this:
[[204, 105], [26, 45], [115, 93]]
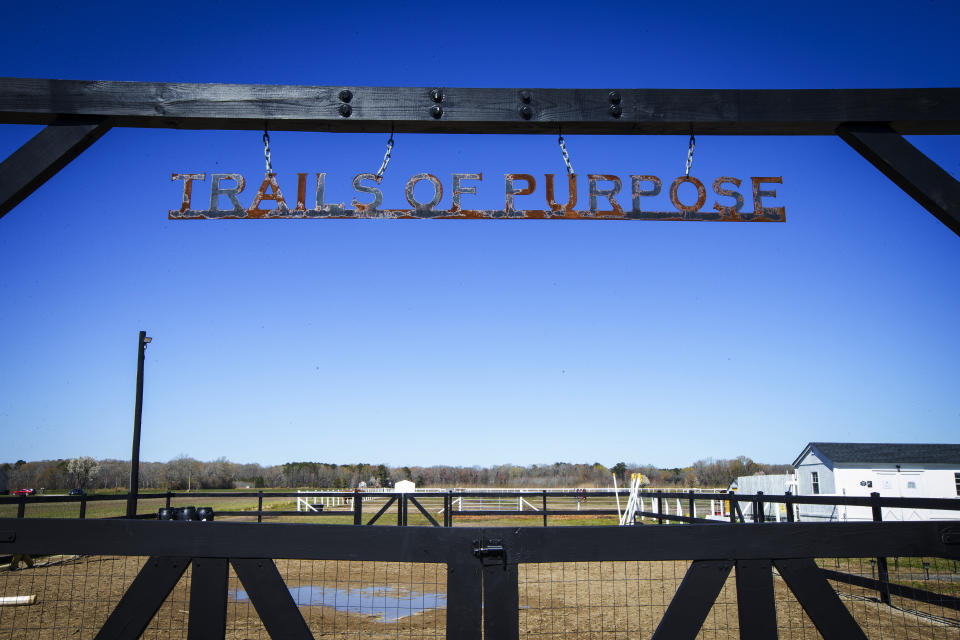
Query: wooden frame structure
[[872, 121], [482, 566]]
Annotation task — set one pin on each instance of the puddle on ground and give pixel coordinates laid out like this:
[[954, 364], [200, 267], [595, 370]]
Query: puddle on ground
[[385, 604]]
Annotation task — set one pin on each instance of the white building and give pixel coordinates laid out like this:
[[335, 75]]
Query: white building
[[404, 486], [892, 470]]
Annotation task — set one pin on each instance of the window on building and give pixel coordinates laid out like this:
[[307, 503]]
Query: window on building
[[815, 479], [956, 479]]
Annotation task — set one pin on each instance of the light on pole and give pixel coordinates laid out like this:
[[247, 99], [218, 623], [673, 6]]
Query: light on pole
[[142, 343]]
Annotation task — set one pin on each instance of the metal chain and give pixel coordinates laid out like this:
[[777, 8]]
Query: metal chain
[[386, 157], [693, 143], [566, 156], [266, 150]]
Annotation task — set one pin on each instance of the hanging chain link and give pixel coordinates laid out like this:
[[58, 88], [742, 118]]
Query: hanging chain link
[[386, 157], [693, 143], [566, 156], [266, 150]]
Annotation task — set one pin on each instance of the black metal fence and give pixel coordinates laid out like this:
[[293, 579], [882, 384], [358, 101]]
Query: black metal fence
[[133, 578], [441, 508]]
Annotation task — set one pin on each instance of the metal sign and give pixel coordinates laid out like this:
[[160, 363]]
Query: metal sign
[[602, 193]]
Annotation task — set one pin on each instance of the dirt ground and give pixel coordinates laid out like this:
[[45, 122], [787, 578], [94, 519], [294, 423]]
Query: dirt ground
[[340, 599]]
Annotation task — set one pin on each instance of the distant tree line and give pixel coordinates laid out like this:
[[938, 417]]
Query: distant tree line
[[184, 473]]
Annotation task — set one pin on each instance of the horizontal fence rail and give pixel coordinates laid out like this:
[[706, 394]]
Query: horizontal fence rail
[[443, 507], [491, 582]]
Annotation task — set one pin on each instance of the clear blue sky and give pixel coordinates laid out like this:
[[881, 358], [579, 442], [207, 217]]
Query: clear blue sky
[[453, 342]]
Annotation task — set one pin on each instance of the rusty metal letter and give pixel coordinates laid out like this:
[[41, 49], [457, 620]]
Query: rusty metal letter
[[733, 212], [362, 188], [701, 194], [458, 188], [301, 193], [269, 180], [216, 191], [188, 179], [595, 192], [511, 191], [571, 197], [423, 210], [771, 213], [323, 210], [636, 191]]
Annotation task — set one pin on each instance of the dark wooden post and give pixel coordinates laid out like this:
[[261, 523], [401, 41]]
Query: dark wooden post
[[659, 507], [142, 341], [169, 496], [357, 507], [83, 506], [544, 508], [788, 503], [690, 504], [883, 575], [731, 503], [22, 506], [259, 506], [758, 508]]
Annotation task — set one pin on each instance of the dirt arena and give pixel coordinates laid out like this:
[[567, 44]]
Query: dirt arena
[[339, 599]]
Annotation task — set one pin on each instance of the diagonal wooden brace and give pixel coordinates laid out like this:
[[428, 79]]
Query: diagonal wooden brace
[[818, 599], [43, 155], [143, 598], [694, 598], [271, 598], [923, 179]]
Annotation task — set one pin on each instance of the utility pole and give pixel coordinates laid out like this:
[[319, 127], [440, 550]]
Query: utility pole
[[142, 342]]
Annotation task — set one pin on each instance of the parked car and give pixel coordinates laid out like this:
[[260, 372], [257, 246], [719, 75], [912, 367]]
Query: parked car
[[77, 492], [25, 492]]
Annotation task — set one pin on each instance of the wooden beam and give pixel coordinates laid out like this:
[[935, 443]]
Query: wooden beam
[[464, 599], [43, 155], [208, 599], [444, 544], [756, 603], [471, 110], [819, 600], [694, 598], [143, 598], [501, 601], [270, 597], [936, 190]]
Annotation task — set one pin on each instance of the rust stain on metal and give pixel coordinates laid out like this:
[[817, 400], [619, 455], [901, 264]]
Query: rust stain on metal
[[606, 186], [512, 191], [301, 192], [701, 194], [567, 209], [728, 213], [188, 179], [424, 210], [616, 210], [269, 181], [759, 211]]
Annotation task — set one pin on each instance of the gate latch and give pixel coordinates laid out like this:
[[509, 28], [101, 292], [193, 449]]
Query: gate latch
[[489, 549]]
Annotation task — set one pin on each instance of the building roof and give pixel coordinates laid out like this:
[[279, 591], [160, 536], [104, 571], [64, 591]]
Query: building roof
[[890, 453]]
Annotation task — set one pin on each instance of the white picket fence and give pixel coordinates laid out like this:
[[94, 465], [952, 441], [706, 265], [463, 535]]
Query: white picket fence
[[496, 499], [310, 500]]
